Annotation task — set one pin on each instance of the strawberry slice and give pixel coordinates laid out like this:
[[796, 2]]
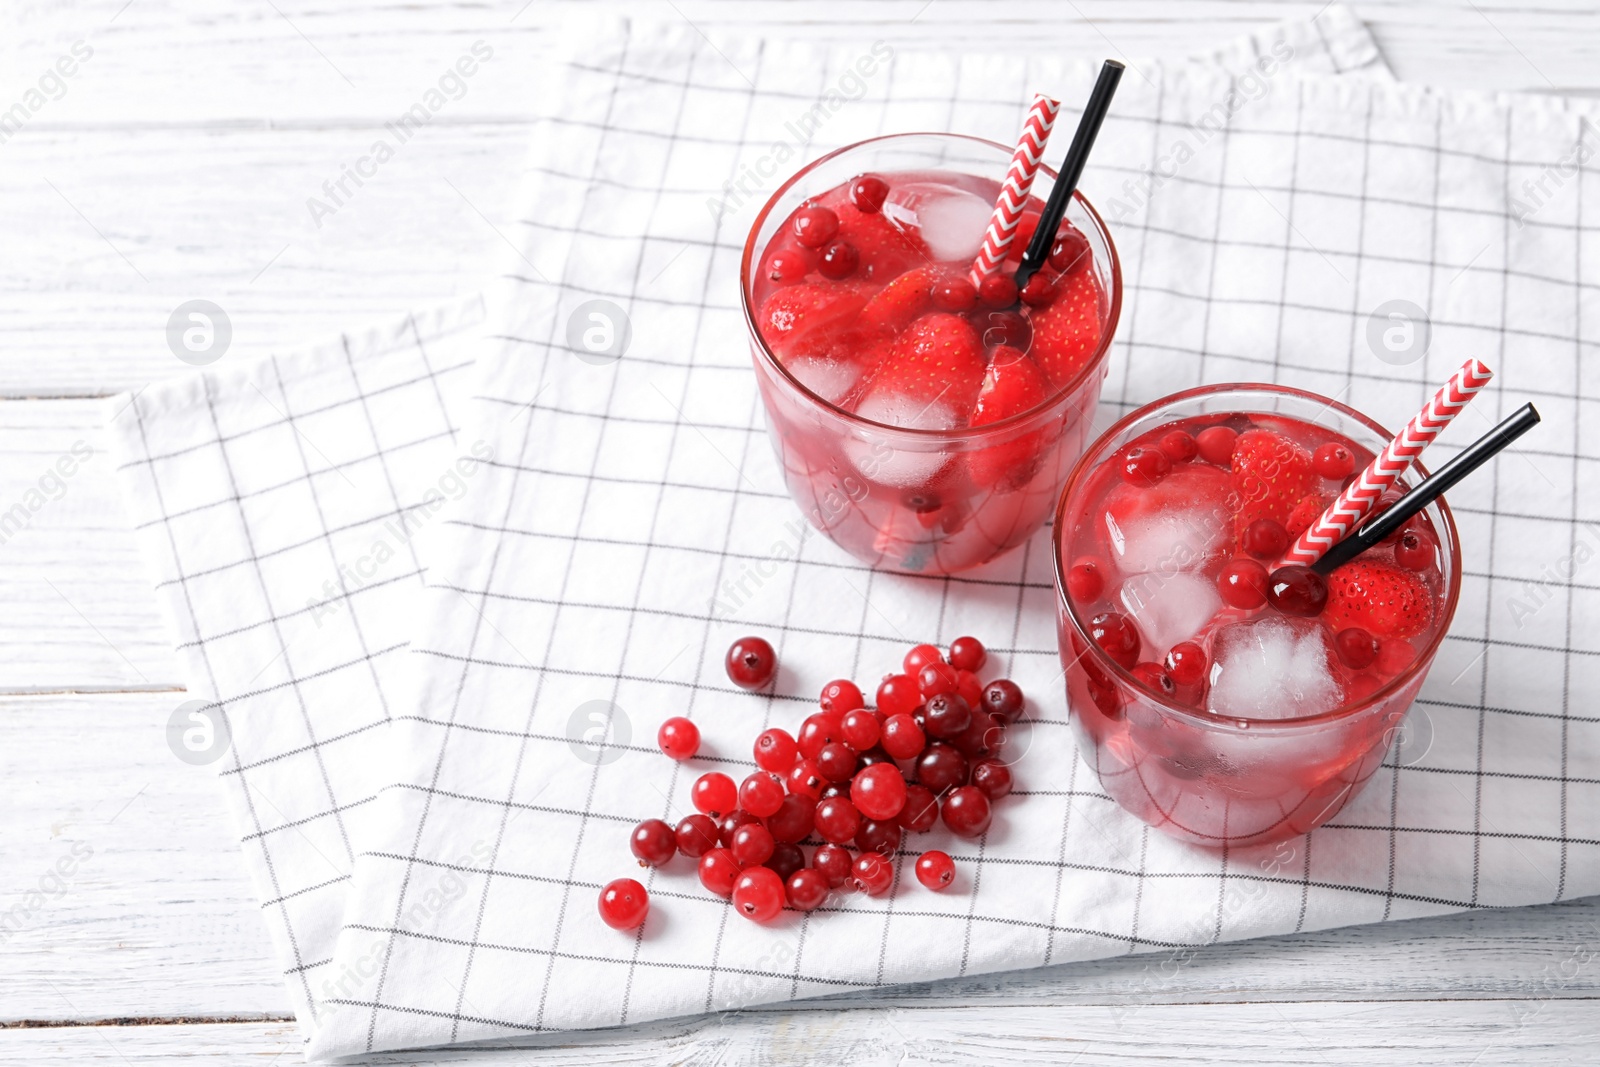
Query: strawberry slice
[[1066, 333], [1379, 597], [1306, 512], [1272, 475], [807, 318], [900, 302], [930, 378], [1012, 384]]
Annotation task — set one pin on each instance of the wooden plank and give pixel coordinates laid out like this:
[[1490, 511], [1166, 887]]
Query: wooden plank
[[1443, 1033]]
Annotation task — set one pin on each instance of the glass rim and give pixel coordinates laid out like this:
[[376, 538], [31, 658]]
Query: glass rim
[[1450, 543], [759, 343]]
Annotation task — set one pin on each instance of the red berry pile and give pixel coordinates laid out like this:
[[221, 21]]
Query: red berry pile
[[849, 783]]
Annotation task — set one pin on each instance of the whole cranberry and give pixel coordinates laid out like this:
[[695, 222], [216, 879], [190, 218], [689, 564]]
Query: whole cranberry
[[751, 663], [1297, 590], [941, 767], [992, 777], [1116, 633], [966, 811]]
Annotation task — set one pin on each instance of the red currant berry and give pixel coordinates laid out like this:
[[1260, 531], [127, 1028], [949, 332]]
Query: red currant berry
[[1333, 461], [805, 779], [837, 820], [696, 835], [1266, 539], [1116, 633], [1216, 444], [839, 260], [1394, 656], [793, 819], [941, 767], [751, 663], [833, 863], [1186, 663], [758, 894], [752, 844], [878, 792], [815, 226], [966, 811], [873, 874], [921, 810], [679, 738], [898, 695], [998, 291], [841, 696], [714, 793], [776, 751], [860, 729], [1085, 580], [868, 192], [876, 836], [1297, 590], [1070, 253], [936, 870], [815, 732], [624, 904], [902, 737], [837, 761], [1357, 648], [729, 825], [1414, 549], [992, 777], [919, 657], [945, 716], [1002, 698], [937, 678], [718, 871], [787, 857], [967, 654], [807, 889], [1179, 447], [1243, 583], [954, 294], [761, 794], [1155, 678], [654, 842], [1145, 467], [1039, 292]]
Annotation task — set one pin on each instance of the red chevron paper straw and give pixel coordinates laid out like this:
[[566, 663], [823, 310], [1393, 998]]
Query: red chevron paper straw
[[1362, 495], [1014, 190]]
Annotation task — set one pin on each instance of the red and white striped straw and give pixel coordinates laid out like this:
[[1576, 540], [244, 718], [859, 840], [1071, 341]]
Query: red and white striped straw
[[1361, 496], [1014, 190]]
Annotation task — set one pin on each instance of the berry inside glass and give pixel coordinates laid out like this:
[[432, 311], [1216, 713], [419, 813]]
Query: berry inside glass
[[923, 423], [1218, 696]]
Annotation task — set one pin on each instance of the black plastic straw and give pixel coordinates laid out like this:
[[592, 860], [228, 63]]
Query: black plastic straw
[[1476, 455], [1094, 113]]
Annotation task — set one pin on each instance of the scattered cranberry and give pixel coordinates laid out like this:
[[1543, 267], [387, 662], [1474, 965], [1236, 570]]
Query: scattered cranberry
[[968, 688], [992, 777], [788, 266], [1039, 292], [872, 874], [1333, 461], [1085, 580], [837, 761], [898, 695], [1243, 583], [879, 792], [751, 662], [1155, 678], [839, 260], [937, 678], [1002, 698], [966, 811], [868, 193], [841, 696], [815, 226], [878, 836], [807, 889], [860, 729], [1266, 539], [793, 819], [834, 789], [837, 820], [654, 842], [1179, 447], [805, 779], [1145, 466], [776, 751], [714, 793], [787, 857], [1357, 648], [761, 794], [718, 871], [1297, 590], [921, 809], [1394, 656], [936, 870], [679, 738], [955, 294], [696, 835], [967, 654], [902, 738], [758, 894], [872, 757], [998, 291], [624, 904], [1116, 633], [941, 767], [833, 863], [1414, 549], [752, 844], [1216, 444], [729, 825], [983, 733], [919, 657], [945, 716], [815, 732], [1070, 252], [1186, 663]]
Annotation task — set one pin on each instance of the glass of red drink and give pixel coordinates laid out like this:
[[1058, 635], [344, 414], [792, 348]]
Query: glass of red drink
[[923, 425], [1217, 697]]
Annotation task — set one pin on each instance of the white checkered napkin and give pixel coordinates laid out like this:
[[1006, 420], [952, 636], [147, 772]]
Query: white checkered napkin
[[632, 523], [280, 505]]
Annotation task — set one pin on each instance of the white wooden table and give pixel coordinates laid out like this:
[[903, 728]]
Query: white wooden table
[[175, 163]]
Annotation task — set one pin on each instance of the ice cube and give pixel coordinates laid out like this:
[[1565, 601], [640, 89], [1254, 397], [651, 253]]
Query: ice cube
[[1169, 608], [831, 379], [887, 464], [1165, 542], [1272, 668], [951, 222]]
